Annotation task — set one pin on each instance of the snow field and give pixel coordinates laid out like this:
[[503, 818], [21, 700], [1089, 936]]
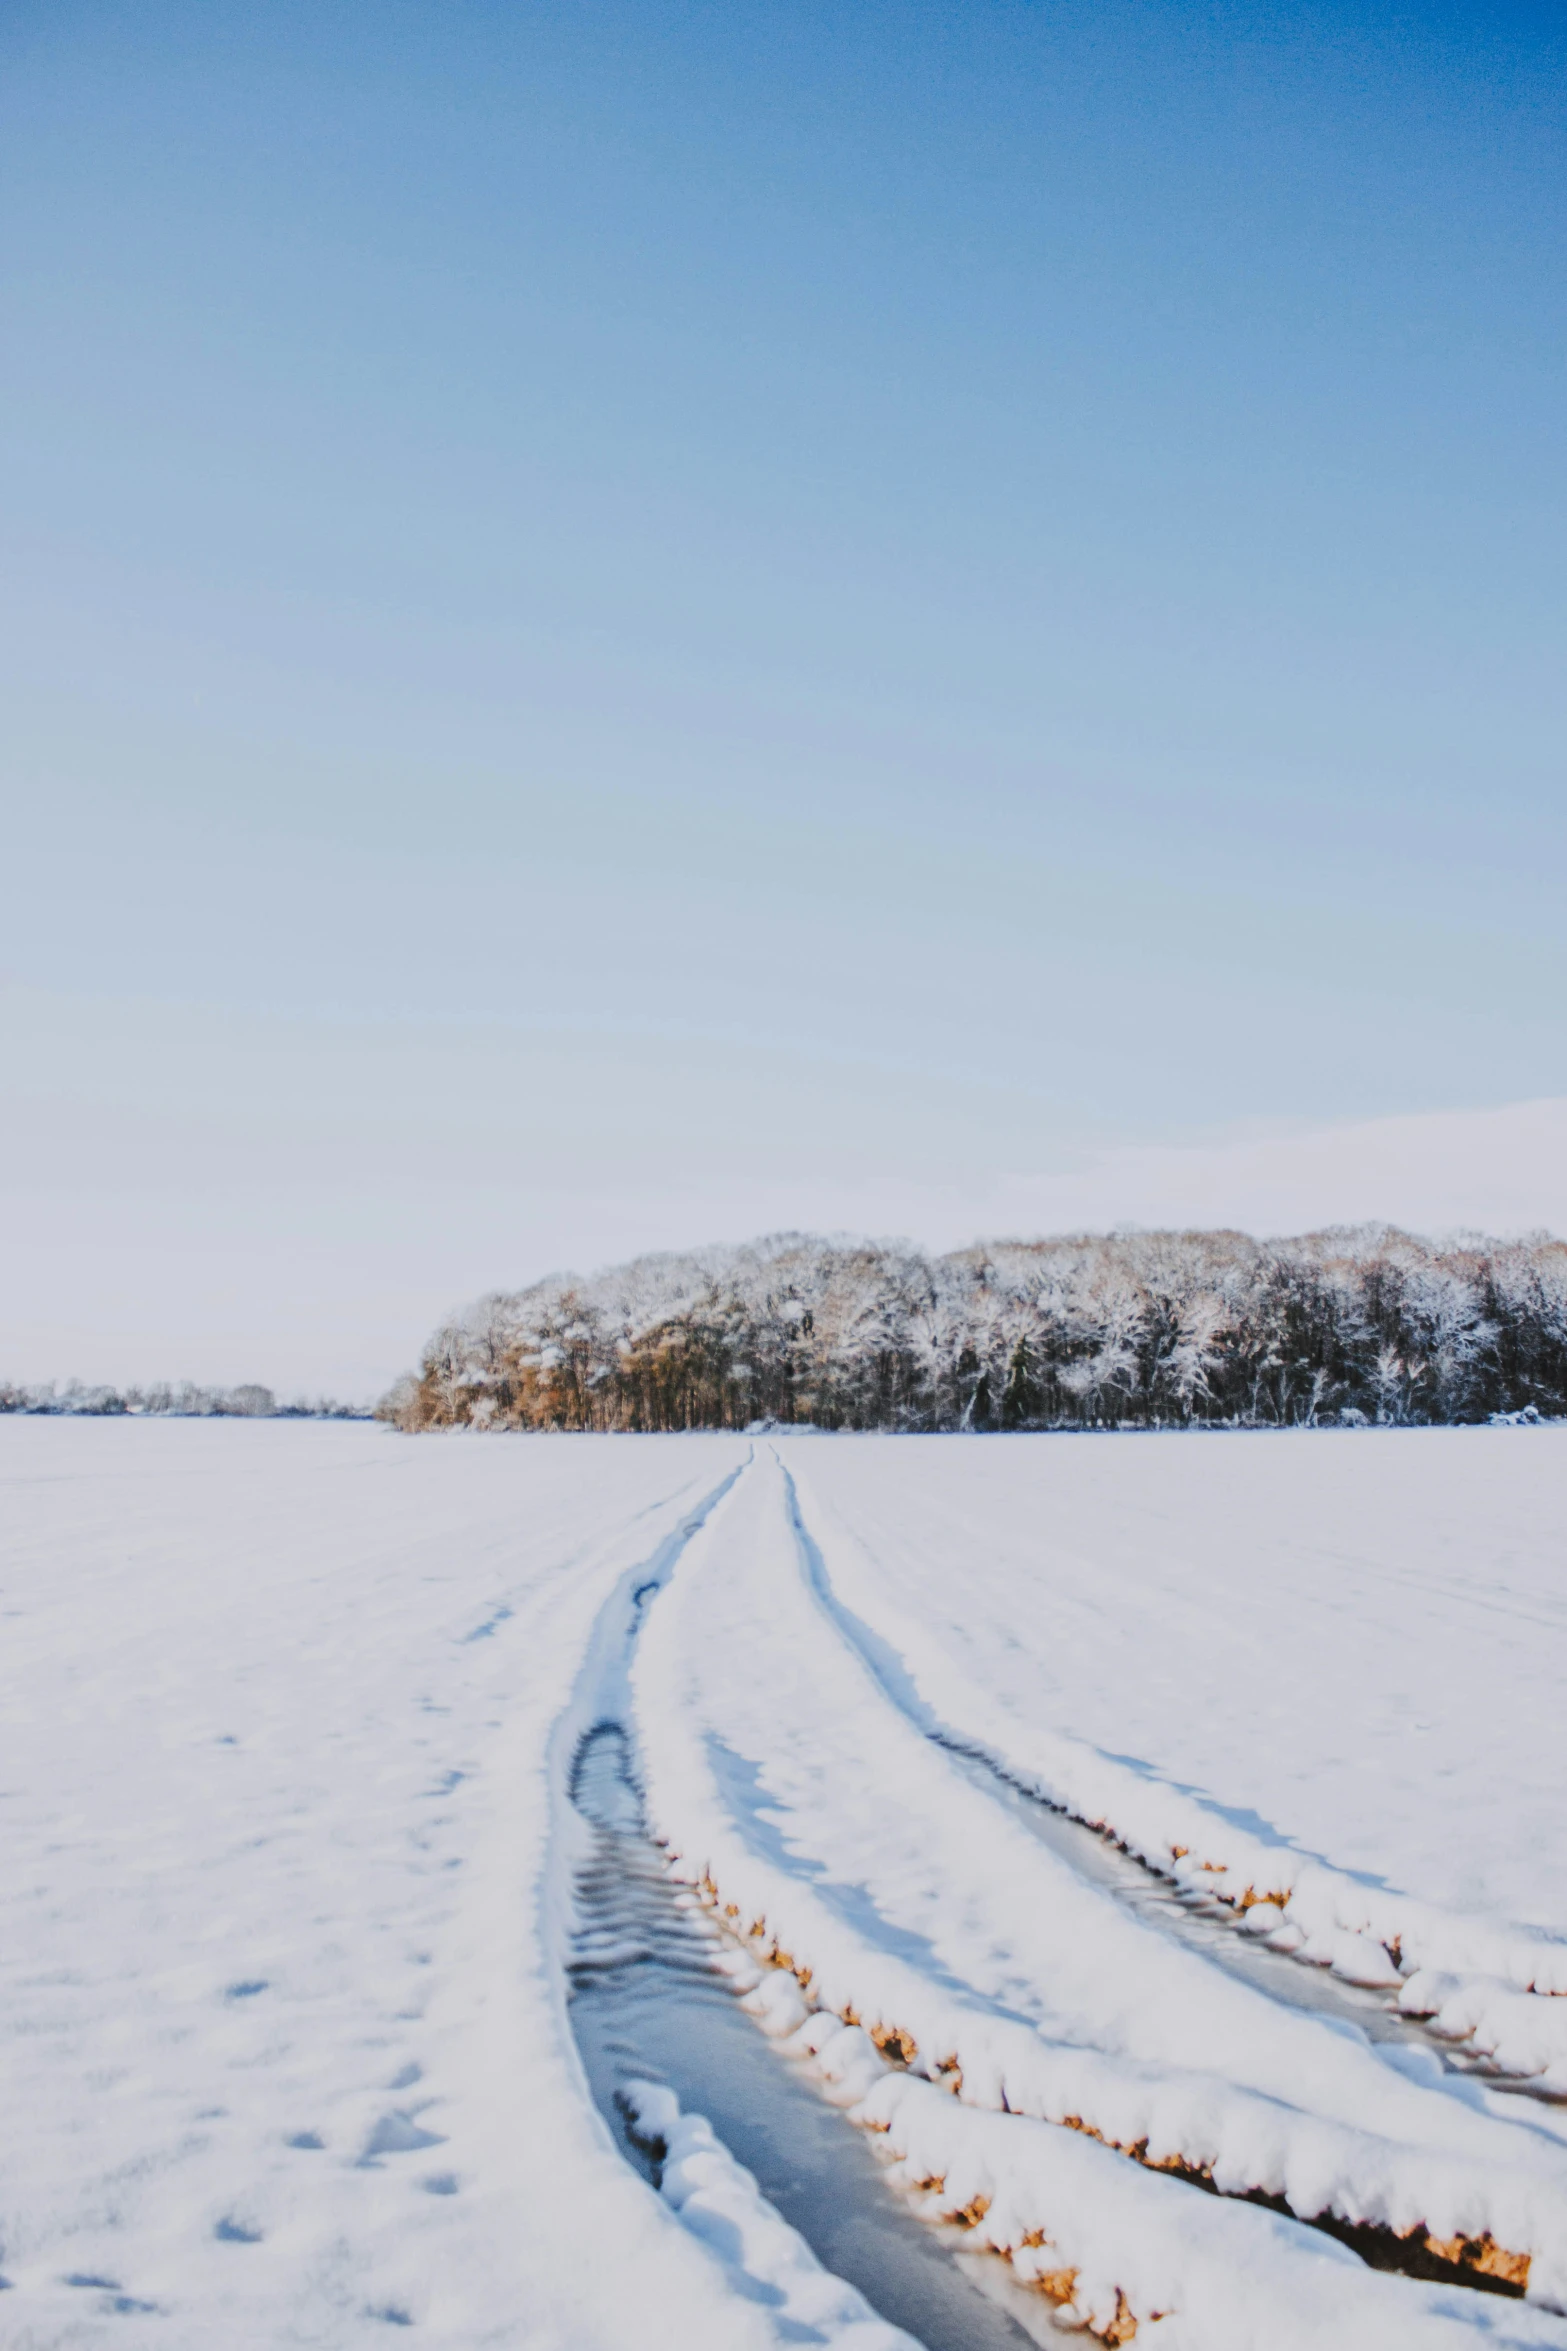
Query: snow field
[[830, 1830], [287, 1718]]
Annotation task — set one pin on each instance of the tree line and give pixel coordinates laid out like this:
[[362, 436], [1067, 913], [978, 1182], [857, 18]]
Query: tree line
[[1145, 1330], [170, 1400]]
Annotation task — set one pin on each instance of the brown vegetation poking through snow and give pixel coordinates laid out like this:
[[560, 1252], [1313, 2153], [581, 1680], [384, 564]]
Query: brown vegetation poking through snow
[[1141, 1330], [1478, 2262]]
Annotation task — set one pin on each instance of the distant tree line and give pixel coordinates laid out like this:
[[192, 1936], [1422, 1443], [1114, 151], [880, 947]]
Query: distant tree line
[[167, 1402], [1145, 1330]]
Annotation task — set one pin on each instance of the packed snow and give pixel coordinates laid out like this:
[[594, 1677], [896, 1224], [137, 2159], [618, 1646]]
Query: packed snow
[[289, 1714]]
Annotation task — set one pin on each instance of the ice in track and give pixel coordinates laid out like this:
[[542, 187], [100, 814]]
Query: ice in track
[[779, 1770]]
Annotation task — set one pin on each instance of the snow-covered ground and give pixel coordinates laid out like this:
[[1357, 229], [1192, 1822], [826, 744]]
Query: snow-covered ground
[[1354, 1639], [285, 2050], [287, 1715]]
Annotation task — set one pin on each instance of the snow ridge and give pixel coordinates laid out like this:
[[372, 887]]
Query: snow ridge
[[720, 2203]]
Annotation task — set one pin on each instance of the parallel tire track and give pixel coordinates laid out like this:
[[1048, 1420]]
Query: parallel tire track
[[1445, 2201]]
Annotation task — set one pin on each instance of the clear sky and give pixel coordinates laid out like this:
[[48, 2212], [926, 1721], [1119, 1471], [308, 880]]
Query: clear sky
[[626, 623]]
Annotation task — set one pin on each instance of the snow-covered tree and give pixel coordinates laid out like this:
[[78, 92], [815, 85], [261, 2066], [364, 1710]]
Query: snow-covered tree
[[1145, 1329]]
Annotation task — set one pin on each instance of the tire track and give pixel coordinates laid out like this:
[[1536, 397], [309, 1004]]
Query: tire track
[[1218, 1930], [765, 1810], [653, 1995]]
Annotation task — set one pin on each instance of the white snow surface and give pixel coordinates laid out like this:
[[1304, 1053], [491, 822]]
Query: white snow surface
[[285, 2048], [1327, 1663], [286, 1714]]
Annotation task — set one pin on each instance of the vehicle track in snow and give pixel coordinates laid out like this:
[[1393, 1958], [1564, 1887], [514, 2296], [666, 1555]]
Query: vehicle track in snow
[[1484, 1980], [1218, 1931], [809, 1799], [653, 1996], [1215, 1929], [650, 2001]]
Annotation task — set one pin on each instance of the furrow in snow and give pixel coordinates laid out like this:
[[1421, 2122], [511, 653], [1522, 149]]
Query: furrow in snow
[[1496, 1985], [612, 1930], [834, 1831]]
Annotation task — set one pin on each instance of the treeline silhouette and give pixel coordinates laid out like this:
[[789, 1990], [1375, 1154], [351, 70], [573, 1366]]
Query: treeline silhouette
[[170, 1400], [1149, 1330]]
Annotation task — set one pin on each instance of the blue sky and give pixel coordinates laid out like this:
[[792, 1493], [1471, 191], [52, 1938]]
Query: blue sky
[[627, 622]]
